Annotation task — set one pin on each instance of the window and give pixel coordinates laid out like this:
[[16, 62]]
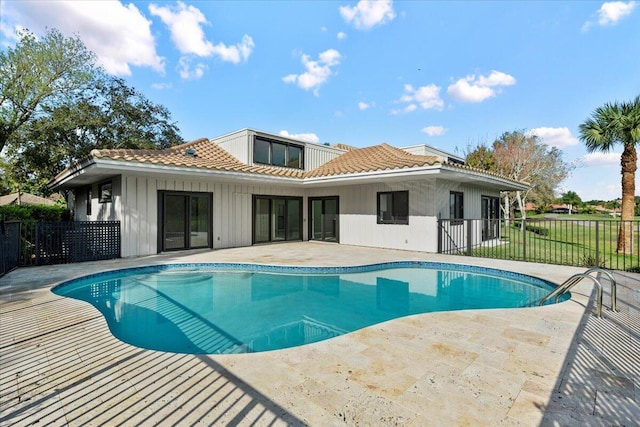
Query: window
[[261, 151], [104, 192], [294, 160], [456, 206], [88, 201], [277, 153], [393, 207]]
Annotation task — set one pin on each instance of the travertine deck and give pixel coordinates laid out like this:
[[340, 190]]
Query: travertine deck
[[555, 365]]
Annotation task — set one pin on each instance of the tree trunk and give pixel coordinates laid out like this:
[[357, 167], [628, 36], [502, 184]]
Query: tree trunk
[[628, 161], [505, 209], [523, 212]]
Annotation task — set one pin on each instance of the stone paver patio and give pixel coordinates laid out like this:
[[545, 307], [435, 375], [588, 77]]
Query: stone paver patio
[[556, 365]]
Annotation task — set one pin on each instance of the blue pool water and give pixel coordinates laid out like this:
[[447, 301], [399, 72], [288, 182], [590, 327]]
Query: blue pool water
[[239, 308]]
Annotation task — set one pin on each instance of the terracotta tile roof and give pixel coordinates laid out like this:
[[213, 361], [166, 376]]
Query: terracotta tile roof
[[376, 158], [344, 147], [25, 199], [207, 155]]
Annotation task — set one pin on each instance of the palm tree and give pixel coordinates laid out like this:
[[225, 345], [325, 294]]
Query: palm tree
[[609, 125]]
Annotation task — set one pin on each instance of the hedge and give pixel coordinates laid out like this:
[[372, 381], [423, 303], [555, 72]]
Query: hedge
[[34, 213]]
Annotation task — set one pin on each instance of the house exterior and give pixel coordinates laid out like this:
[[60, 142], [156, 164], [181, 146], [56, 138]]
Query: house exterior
[[251, 187]]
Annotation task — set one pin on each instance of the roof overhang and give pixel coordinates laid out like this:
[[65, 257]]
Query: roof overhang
[[440, 171], [96, 170]]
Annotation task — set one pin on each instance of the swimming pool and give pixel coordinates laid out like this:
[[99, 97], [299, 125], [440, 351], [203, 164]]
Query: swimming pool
[[240, 308]]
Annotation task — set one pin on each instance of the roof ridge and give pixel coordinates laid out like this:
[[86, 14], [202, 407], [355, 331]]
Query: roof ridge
[[369, 159]]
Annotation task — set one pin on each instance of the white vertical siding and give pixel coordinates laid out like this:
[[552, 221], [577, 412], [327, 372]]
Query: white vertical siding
[[358, 216], [135, 204], [139, 219], [317, 155], [231, 216], [456, 235], [472, 196], [237, 144], [99, 211]]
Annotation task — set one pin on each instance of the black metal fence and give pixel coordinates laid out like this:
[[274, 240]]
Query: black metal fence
[[40, 243], [9, 246], [611, 244]]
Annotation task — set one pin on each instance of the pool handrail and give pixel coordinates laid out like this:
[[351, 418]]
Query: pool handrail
[[570, 283], [612, 280]]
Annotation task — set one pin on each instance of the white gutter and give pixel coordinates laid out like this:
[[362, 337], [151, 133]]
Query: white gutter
[[145, 168], [119, 166], [412, 173]]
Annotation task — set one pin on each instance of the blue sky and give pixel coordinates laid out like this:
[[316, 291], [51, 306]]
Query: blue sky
[[448, 74]]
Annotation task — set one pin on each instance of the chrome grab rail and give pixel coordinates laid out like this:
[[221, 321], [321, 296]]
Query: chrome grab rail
[[612, 280], [570, 283]]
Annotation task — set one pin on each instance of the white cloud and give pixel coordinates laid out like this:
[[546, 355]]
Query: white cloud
[[600, 159], [477, 89], [363, 105], [317, 72], [119, 35], [426, 97], [161, 86], [236, 53], [610, 13], [341, 35], [189, 72], [308, 137], [185, 25], [554, 137], [368, 13], [433, 130]]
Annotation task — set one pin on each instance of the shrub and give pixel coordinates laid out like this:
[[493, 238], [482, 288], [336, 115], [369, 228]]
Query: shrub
[[34, 213], [541, 231], [592, 261]]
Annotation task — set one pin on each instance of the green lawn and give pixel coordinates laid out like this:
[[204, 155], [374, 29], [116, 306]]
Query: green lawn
[[579, 242]]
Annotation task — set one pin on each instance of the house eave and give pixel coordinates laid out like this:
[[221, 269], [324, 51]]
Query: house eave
[[478, 177], [96, 169], [443, 171]]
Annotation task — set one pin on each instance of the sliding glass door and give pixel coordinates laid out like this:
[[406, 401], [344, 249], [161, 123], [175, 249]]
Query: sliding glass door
[[175, 216], [276, 218], [185, 220], [490, 207], [324, 215]]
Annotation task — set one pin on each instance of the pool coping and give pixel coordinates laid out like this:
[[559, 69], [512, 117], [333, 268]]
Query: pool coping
[[439, 367]]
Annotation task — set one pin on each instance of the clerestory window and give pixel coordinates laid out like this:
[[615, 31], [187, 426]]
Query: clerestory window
[[277, 153]]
